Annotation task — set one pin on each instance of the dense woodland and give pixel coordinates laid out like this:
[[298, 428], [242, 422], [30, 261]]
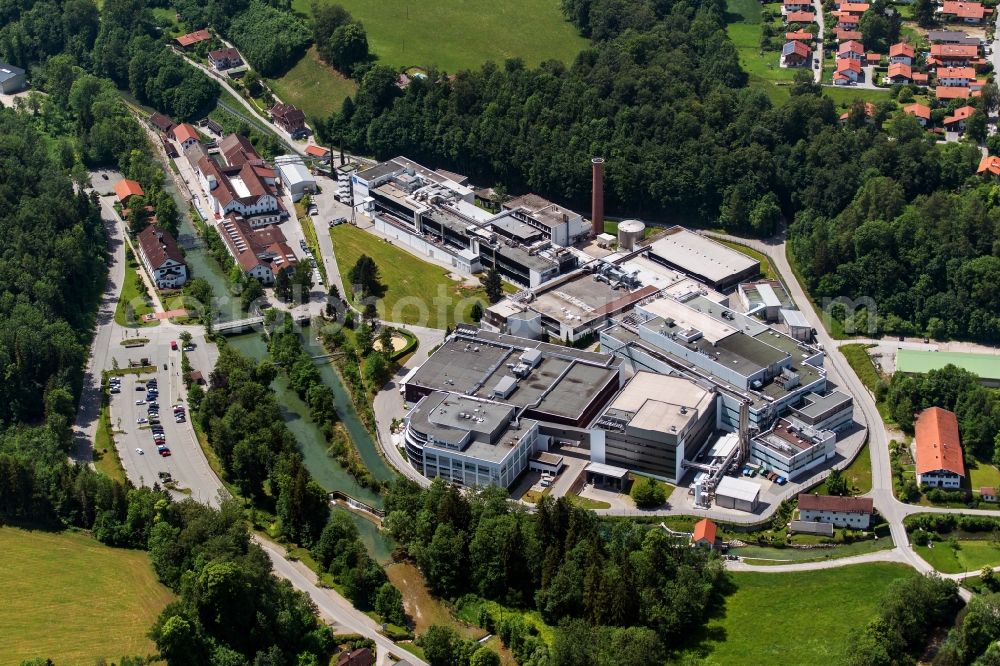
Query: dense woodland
[[875, 208], [565, 563]]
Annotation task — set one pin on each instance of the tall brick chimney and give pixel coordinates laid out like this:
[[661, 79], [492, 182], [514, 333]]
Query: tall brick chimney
[[597, 196]]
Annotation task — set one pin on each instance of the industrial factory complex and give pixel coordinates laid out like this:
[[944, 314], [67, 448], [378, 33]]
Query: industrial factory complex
[[662, 354]]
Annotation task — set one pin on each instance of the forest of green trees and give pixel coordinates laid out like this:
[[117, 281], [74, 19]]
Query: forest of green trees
[[876, 210]]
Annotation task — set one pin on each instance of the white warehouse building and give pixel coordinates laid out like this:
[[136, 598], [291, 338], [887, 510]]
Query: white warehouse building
[[297, 180]]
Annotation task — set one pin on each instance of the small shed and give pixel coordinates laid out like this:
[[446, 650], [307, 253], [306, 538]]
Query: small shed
[[810, 527], [705, 534], [739, 494], [600, 474], [546, 462], [12, 79]]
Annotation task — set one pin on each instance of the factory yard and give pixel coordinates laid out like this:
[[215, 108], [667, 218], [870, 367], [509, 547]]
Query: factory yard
[[73, 600]]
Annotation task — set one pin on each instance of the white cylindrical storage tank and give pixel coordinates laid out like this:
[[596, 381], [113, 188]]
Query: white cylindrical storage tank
[[630, 232]]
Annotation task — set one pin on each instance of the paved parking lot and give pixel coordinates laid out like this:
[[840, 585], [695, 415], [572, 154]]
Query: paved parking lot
[[187, 464]]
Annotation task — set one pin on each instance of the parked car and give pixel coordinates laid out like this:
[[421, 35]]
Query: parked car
[[141, 420], [140, 387], [173, 345], [189, 348], [140, 402], [139, 451]]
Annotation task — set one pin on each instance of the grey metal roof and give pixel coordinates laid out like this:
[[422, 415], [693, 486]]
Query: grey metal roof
[[7, 72]]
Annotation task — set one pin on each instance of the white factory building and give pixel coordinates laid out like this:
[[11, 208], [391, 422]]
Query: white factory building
[[295, 177]]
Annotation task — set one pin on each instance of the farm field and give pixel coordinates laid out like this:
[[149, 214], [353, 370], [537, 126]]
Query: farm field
[[825, 606], [417, 292], [313, 86], [73, 600], [462, 34]]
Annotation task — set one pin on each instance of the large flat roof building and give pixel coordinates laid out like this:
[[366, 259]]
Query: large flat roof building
[[791, 449], [707, 260], [500, 381], [654, 424]]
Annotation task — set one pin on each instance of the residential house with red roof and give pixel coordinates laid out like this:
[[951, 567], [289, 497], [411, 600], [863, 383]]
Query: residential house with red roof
[[192, 38], [245, 184], [848, 72], [289, 118], [988, 494], [161, 122], [964, 12], [989, 165], [938, 449], [844, 34], [955, 76], [185, 134], [956, 121], [953, 55], [919, 111], [847, 20], [795, 5], [869, 114], [851, 49], [799, 36], [901, 53], [946, 93], [125, 189], [900, 73], [162, 258], [225, 59], [359, 657], [851, 512], [705, 534], [800, 17], [796, 54]]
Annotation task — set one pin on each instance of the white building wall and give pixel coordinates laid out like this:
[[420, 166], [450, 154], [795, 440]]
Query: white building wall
[[859, 521]]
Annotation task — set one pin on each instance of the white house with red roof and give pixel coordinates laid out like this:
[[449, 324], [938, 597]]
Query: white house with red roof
[[956, 121], [964, 12], [851, 49], [848, 72], [795, 54], [162, 258], [901, 53], [939, 458], [956, 76], [919, 111]]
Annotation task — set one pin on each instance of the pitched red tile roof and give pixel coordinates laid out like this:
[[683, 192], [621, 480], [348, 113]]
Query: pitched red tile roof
[[159, 246], [954, 92], [228, 53], [161, 122], [317, 151], [125, 188], [810, 502], [185, 131], [919, 77], [987, 490], [854, 7], [193, 37], [843, 34], [937, 442], [799, 49], [901, 49], [956, 73], [964, 9], [873, 58], [900, 69], [704, 530], [869, 112], [989, 164], [851, 46], [954, 50], [237, 150], [918, 110], [800, 17], [961, 113], [844, 64]]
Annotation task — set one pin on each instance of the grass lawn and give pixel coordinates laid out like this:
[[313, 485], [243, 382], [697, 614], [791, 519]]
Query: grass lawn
[[766, 267], [462, 34], [862, 364], [846, 95], [313, 86], [744, 18], [858, 475], [108, 463], [765, 555], [586, 502], [134, 301], [417, 292], [972, 555], [983, 474], [73, 600], [827, 606]]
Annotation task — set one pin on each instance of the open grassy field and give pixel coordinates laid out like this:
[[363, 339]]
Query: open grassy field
[[983, 474], [462, 34], [765, 555], [745, 20], [796, 618], [417, 292], [72, 600], [313, 86], [971, 555], [858, 475], [861, 363], [844, 96]]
